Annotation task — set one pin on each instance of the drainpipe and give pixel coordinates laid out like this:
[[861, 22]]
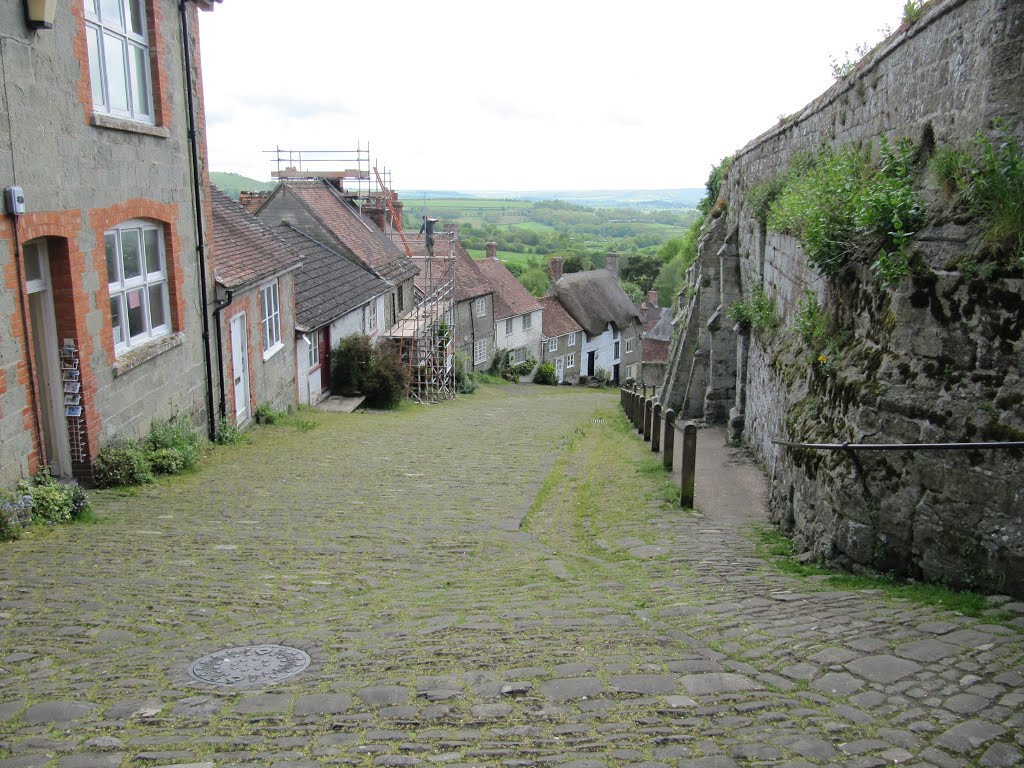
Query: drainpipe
[[197, 198], [218, 307]]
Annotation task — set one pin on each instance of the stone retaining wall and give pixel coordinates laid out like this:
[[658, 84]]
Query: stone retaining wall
[[940, 358]]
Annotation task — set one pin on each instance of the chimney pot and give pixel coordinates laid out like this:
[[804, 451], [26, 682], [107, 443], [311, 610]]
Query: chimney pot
[[652, 297], [611, 262], [555, 267]]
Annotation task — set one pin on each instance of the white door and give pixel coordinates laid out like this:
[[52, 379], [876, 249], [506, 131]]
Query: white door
[[47, 357], [240, 366], [559, 369]]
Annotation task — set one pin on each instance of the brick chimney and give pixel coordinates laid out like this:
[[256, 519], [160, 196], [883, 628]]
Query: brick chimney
[[252, 200], [611, 262], [652, 297], [492, 250], [555, 269], [375, 210], [398, 205]]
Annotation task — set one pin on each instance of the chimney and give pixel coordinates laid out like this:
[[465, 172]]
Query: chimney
[[492, 250], [374, 210], [555, 269], [652, 297], [611, 262]]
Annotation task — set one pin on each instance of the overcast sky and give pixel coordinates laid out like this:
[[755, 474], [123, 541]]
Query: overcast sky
[[531, 95]]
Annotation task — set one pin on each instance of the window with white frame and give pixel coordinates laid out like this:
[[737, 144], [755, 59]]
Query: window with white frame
[[314, 349], [616, 353], [480, 307], [572, 340], [570, 360], [270, 319], [117, 40], [527, 321], [508, 327], [479, 351], [137, 279], [629, 346], [520, 355], [615, 334], [553, 344]]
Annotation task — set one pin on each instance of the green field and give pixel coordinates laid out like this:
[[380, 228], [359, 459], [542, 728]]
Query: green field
[[509, 257]]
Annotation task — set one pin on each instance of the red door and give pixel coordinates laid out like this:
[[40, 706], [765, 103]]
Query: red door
[[324, 342]]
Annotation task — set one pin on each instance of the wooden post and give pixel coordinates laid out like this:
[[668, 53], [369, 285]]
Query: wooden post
[[656, 428], [648, 412], [689, 465], [670, 439], [622, 398], [638, 422]]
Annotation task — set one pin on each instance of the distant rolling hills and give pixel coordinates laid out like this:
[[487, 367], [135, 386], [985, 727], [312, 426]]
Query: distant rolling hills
[[233, 183]]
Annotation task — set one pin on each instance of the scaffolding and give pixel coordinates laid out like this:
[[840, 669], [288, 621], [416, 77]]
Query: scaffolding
[[424, 335]]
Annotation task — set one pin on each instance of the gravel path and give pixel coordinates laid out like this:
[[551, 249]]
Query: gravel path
[[488, 582]]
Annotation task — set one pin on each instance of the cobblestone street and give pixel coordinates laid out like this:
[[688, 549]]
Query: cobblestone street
[[495, 581]]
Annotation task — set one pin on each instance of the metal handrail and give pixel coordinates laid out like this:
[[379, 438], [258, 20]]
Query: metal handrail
[[900, 446]]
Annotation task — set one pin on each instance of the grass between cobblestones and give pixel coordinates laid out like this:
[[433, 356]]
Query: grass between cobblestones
[[779, 551]]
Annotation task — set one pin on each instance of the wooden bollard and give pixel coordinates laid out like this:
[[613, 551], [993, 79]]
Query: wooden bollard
[[670, 439], [689, 465], [648, 412], [656, 427], [638, 422]]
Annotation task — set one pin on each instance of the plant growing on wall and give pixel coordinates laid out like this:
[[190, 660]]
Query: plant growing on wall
[[840, 204], [757, 312], [988, 182]]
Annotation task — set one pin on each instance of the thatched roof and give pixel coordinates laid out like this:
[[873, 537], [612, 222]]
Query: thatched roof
[[595, 299]]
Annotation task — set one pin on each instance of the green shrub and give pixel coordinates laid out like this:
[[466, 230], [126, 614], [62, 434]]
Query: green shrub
[[51, 503], [165, 461], [465, 383], [756, 312], [761, 196], [15, 514], [350, 364], [122, 463], [387, 381], [80, 504], [176, 437], [840, 204], [545, 375]]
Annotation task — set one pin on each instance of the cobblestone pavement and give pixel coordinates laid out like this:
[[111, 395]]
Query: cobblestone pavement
[[489, 582]]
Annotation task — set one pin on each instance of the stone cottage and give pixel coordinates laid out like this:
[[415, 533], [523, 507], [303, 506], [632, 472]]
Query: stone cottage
[[562, 341], [106, 272], [517, 313]]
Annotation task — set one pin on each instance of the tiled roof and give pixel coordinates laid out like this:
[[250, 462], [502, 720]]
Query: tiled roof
[[510, 297], [654, 351], [327, 285], [556, 321], [595, 299], [243, 249], [469, 283], [360, 235]]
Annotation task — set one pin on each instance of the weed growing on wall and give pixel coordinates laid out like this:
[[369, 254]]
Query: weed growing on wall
[[840, 204], [757, 312], [988, 182]]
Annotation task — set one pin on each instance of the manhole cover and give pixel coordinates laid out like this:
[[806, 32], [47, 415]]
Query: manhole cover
[[248, 664]]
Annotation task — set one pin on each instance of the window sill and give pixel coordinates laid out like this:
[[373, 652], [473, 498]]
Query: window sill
[[100, 120], [136, 356], [273, 351]]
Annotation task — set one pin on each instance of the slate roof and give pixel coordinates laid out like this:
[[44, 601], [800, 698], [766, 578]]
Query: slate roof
[[327, 285], [355, 231], [594, 299], [244, 250], [510, 297], [556, 321]]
